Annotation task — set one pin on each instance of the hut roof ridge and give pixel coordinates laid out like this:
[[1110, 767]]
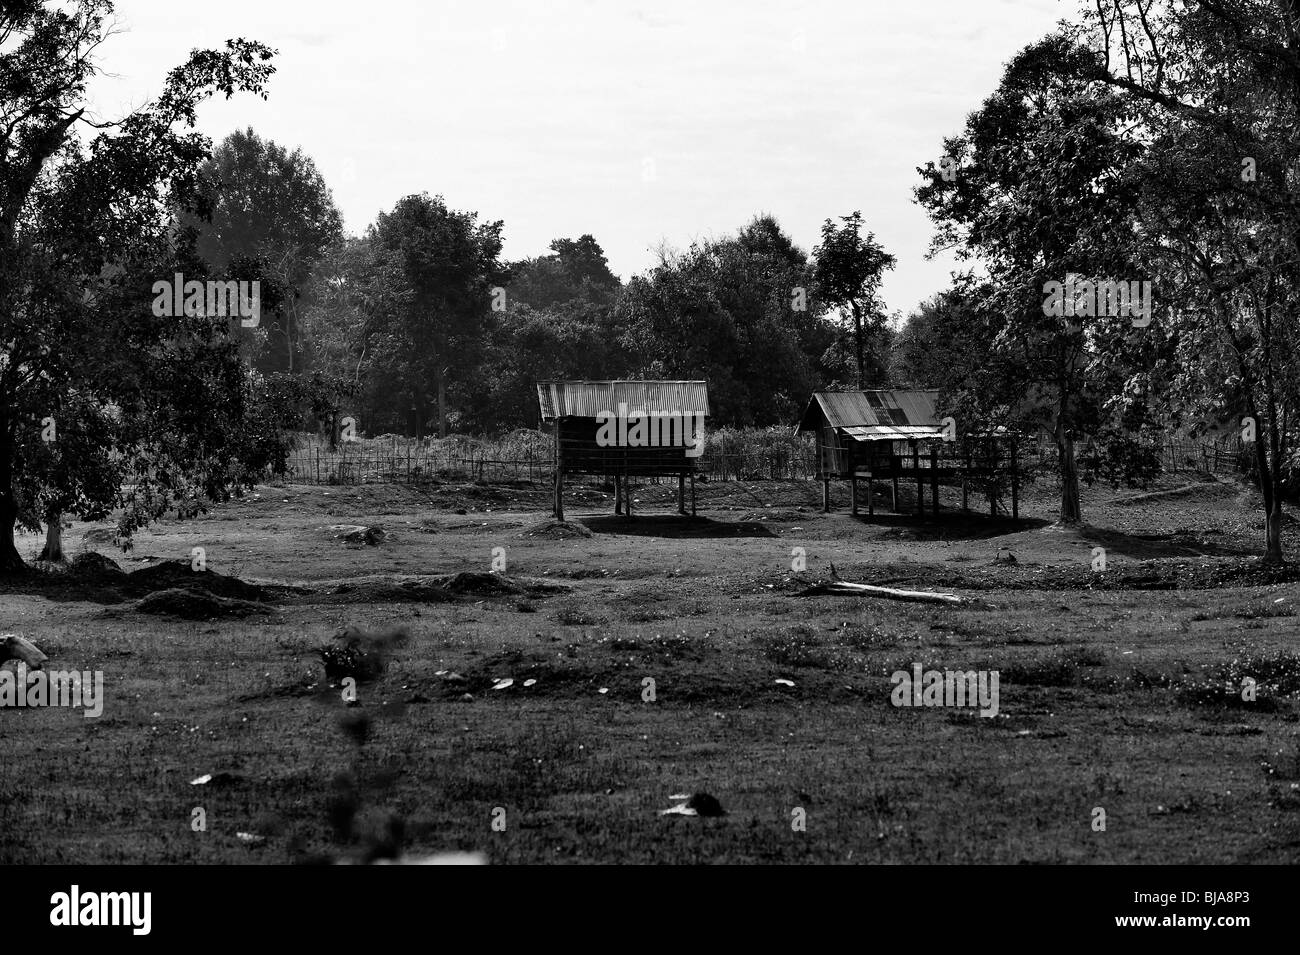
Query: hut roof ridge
[[588, 398], [911, 409]]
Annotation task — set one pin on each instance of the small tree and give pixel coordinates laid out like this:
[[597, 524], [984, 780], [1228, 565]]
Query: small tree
[[848, 270]]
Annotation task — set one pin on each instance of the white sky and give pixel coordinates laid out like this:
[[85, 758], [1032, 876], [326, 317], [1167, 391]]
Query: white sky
[[552, 115]]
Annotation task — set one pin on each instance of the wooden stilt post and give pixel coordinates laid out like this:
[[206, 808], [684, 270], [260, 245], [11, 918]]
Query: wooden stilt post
[[853, 494], [681, 494], [920, 478], [871, 497], [896, 462], [627, 495], [934, 479], [692, 494], [559, 474], [618, 494], [826, 495]]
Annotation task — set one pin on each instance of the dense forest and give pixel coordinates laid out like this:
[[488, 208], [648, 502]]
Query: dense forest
[[419, 326]]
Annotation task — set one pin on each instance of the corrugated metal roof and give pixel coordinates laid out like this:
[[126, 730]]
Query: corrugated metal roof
[[587, 399], [872, 409], [884, 432]]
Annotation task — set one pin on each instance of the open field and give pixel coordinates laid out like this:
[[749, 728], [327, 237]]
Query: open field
[[1114, 685]]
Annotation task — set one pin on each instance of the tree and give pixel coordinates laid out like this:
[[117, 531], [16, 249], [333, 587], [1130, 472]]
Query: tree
[[741, 312], [944, 343], [529, 345], [849, 268], [556, 323], [97, 390], [447, 265], [1041, 196], [575, 271], [1214, 87], [355, 292], [270, 204]]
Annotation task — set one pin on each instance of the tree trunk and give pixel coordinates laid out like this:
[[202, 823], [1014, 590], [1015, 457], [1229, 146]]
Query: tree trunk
[[857, 324], [53, 550], [1271, 490], [442, 402], [288, 341], [1071, 513], [10, 561], [1273, 532], [289, 323]]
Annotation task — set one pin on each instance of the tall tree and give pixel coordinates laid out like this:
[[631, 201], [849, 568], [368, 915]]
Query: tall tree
[[158, 403], [575, 271], [1040, 196], [271, 204], [849, 268], [1214, 87], [450, 265]]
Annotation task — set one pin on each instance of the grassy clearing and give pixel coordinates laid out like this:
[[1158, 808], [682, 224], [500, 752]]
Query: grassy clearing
[[1115, 695]]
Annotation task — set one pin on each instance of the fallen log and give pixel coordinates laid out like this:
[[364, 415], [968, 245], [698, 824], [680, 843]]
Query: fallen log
[[844, 588]]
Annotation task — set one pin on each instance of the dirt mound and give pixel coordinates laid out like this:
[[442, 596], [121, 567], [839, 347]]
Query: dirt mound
[[96, 567], [447, 588], [198, 605], [371, 535], [409, 591], [556, 531], [177, 574], [1174, 575], [469, 583]]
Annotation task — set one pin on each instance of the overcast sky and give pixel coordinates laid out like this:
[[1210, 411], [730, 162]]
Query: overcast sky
[[637, 123]]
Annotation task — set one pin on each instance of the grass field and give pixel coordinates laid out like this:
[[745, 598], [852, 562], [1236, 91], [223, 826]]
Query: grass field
[[1119, 690]]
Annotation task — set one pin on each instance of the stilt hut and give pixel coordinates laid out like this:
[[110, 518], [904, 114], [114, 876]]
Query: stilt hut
[[895, 435], [625, 429]]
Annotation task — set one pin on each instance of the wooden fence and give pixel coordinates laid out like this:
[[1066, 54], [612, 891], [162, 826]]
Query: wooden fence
[[397, 460], [1223, 456]]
